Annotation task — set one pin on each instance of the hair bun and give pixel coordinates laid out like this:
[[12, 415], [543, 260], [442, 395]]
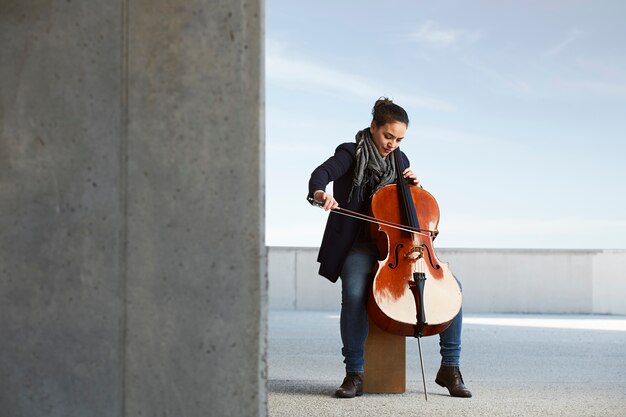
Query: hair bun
[[383, 101], [386, 111]]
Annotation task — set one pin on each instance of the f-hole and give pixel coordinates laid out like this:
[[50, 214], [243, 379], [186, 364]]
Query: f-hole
[[395, 265]]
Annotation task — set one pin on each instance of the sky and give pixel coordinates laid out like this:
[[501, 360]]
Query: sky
[[517, 113]]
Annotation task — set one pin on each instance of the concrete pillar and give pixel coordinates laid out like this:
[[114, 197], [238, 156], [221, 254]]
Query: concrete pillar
[[132, 264], [195, 223]]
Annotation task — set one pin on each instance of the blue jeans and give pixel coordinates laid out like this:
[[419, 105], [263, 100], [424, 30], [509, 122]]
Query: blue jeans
[[356, 277]]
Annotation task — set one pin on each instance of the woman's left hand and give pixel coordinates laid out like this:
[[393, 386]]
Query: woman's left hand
[[410, 175]]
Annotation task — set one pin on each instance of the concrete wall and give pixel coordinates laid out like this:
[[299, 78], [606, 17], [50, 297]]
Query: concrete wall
[[132, 264], [494, 280]]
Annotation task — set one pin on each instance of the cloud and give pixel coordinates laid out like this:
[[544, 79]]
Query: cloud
[[593, 86], [570, 37], [431, 34], [305, 74], [311, 75], [595, 77], [504, 80]]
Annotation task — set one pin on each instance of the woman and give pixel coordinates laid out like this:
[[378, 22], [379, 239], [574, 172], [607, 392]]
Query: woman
[[357, 171]]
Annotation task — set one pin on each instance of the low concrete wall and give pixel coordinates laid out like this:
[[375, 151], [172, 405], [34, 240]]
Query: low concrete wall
[[494, 280]]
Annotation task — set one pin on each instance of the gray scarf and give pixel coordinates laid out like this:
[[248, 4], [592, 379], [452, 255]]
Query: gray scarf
[[370, 168]]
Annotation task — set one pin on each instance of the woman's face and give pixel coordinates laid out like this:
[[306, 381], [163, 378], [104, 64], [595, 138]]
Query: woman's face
[[388, 136]]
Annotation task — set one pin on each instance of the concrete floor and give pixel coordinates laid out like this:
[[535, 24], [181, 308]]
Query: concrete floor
[[515, 365]]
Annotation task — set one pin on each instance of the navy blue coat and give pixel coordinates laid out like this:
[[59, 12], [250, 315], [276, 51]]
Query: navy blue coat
[[341, 231]]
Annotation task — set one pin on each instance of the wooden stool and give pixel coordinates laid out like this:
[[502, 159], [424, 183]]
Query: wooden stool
[[385, 362]]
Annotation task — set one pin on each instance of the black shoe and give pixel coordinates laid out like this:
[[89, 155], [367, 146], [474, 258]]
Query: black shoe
[[351, 387], [450, 377]]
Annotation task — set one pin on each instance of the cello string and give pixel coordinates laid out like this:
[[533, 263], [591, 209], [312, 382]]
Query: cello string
[[406, 197]]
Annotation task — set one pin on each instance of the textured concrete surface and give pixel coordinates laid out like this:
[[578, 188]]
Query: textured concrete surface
[[515, 365], [132, 258], [195, 209], [60, 217]]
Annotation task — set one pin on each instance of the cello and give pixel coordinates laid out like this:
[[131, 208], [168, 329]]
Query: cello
[[413, 293]]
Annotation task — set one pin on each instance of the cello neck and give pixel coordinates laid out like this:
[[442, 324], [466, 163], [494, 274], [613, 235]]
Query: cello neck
[[404, 194]]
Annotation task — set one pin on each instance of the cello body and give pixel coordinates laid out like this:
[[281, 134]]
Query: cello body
[[396, 303]]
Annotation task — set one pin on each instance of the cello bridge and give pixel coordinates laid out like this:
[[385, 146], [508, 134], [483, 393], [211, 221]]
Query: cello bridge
[[415, 253]]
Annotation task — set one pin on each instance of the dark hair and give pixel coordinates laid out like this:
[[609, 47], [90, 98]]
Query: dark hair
[[386, 111]]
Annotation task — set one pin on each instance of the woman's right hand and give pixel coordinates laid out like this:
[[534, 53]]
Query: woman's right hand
[[326, 200]]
